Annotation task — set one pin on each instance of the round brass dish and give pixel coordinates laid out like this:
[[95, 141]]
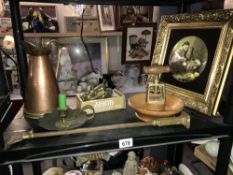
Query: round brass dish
[[173, 105], [146, 118]]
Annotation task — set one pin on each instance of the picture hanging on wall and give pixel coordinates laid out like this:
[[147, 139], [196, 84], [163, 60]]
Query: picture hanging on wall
[[90, 10], [5, 20], [39, 18], [138, 43], [132, 15], [106, 17], [4, 9]]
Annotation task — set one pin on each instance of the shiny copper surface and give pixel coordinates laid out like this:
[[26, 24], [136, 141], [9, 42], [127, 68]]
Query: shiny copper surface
[[41, 94]]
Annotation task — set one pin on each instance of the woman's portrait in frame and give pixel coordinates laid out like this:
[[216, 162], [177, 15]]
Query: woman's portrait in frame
[[197, 48]]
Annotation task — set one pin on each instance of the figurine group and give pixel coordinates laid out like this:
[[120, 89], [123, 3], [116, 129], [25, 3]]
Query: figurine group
[[147, 166], [92, 165]]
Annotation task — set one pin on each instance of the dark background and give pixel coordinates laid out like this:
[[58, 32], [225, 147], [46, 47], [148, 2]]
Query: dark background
[[210, 38]]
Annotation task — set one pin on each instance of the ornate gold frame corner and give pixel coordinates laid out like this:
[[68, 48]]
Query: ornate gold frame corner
[[208, 101]]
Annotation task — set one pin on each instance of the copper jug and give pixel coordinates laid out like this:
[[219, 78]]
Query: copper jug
[[41, 95]]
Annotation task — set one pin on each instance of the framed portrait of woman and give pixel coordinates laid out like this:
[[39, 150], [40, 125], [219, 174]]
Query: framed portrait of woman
[[197, 48]]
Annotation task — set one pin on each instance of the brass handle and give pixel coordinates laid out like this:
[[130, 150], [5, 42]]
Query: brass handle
[[184, 120], [58, 62], [58, 44], [86, 110], [156, 69]]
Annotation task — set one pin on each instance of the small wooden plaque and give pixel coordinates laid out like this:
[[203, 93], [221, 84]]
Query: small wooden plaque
[[73, 24]]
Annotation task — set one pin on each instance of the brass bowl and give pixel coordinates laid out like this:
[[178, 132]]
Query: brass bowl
[[173, 105]]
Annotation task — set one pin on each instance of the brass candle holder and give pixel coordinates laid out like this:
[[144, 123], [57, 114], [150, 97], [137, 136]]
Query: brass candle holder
[[63, 121]]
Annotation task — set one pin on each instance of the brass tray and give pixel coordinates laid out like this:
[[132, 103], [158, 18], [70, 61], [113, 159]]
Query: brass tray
[[173, 106]]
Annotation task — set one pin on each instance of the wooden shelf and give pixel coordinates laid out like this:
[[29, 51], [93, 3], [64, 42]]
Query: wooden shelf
[[59, 35]]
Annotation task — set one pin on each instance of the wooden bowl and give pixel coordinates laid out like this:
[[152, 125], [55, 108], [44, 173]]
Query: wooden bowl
[[173, 105]]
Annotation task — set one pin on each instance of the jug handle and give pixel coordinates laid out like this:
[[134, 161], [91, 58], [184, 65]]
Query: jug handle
[[58, 62], [57, 43]]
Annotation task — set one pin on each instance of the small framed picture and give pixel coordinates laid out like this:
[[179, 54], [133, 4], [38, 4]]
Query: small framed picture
[[90, 10], [138, 43], [4, 9], [5, 18], [39, 18], [5, 25], [132, 15], [74, 24], [106, 17]]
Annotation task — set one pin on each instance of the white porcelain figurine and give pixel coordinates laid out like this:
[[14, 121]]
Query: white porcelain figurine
[[131, 165]]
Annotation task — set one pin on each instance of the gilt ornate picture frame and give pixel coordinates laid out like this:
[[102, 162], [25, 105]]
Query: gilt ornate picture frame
[[198, 49]]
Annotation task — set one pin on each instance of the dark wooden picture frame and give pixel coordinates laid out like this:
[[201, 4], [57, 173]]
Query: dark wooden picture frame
[[138, 43], [132, 15]]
